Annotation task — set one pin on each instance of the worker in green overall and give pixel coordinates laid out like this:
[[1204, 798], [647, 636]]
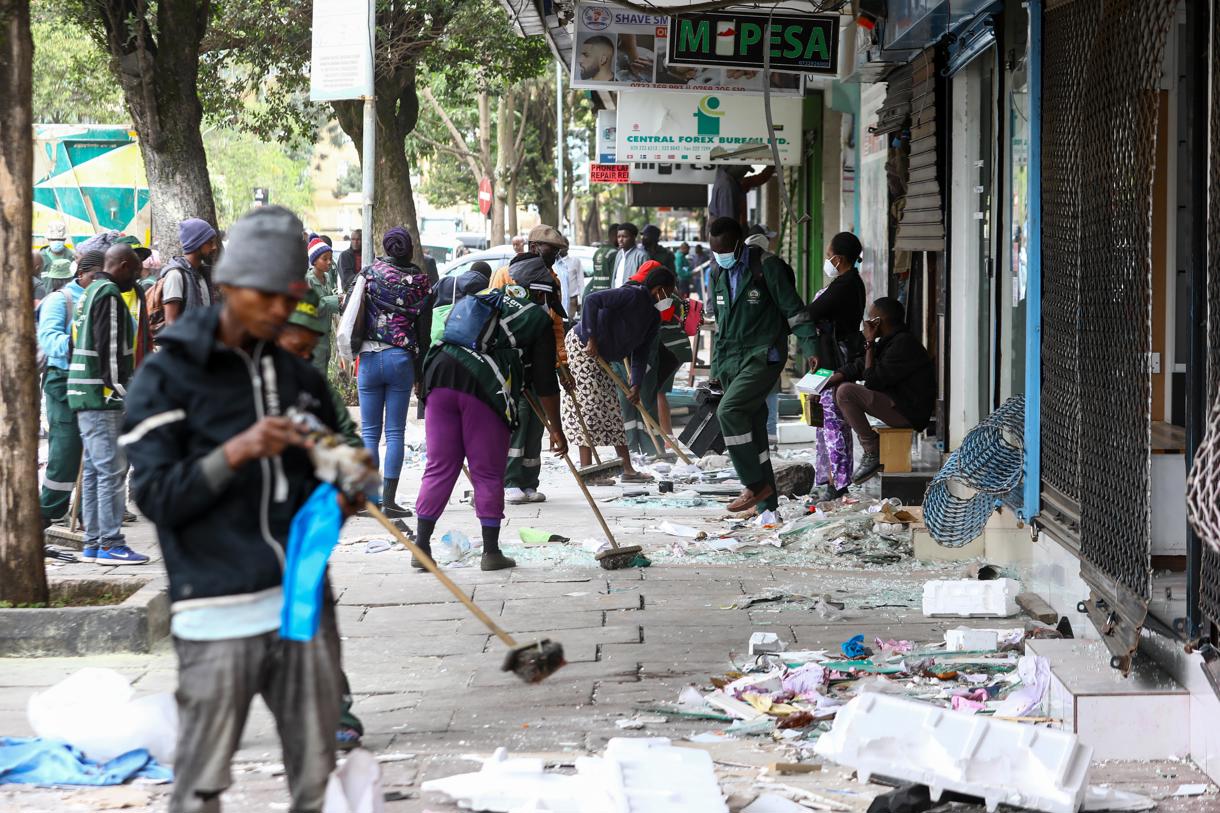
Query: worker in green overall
[[757, 308]]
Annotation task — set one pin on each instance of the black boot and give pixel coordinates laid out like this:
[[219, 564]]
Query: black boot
[[389, 490], [492, 558], [423, 540]]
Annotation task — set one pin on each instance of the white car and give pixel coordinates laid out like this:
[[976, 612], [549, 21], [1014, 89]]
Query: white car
[[496, 257]]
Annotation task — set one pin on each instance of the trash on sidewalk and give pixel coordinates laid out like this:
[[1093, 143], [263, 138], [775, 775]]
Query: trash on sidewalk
[[70, 711], [683, 531], [378, 545], [39, 761], [998, 761], [453, 547], [355, 786], [1104, 797], [761, 642], [648, 775], [967, 598], [534, 536]]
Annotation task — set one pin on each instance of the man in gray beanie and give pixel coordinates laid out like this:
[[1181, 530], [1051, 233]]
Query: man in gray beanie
[[221, 472]]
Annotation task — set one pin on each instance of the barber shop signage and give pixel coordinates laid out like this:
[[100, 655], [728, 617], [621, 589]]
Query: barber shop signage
[[806, 43], [618, 48], [692, 128]]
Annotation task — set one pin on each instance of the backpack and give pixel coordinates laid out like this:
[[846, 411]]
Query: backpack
[[155, 306], [473, 322]]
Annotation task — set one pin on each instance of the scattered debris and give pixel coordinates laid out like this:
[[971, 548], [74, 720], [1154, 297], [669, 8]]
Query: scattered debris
[[765, 642], [644, 774], [533, 536], [997, 761], [355, 786], [1033, 605]]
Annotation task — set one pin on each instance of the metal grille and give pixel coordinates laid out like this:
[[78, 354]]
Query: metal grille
[[1209, 574], [1103, 69], [1069, 29]]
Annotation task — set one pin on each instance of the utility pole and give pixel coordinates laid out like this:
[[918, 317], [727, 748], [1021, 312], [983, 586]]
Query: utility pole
[[559, 140], [367, 164]]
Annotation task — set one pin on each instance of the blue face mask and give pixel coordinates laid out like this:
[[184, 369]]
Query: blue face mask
[[725, 260]]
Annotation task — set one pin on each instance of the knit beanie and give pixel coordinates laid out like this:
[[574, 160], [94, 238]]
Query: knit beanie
[[397, 243], [316, 249], [265, 252], [193, 233]]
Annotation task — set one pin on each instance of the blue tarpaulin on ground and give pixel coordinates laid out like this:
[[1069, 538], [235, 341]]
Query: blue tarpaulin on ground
[[35, 761]]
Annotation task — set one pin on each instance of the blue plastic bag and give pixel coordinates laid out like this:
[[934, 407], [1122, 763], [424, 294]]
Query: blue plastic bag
[[854, 647], [312, 536]]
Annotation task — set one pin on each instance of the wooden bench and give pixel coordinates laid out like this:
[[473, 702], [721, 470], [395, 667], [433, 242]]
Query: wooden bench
[[895, 449]]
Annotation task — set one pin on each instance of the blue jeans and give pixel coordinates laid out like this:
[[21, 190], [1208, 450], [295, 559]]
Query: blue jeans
[[384, 382], [102, 494], [772, 414]]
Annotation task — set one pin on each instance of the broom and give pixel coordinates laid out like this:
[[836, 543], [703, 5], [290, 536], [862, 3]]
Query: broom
[[610, 468], [616, 558], [652, 425], [70, 534]]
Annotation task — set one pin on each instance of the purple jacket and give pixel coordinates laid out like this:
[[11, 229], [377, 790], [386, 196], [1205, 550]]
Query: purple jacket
[[392, 298]]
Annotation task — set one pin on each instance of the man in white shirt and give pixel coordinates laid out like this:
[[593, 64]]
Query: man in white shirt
[[571, 280], [630, 256]]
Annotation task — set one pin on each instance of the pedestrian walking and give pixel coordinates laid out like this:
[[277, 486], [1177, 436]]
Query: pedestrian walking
[[103, 361], [394, 294], [629, 257], [221, 473], [322, 281], [55, 317], [757, 308], [836, 311], [471, 404], [350, 261]]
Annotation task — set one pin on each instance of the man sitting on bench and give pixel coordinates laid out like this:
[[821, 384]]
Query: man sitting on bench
[[899, 382]]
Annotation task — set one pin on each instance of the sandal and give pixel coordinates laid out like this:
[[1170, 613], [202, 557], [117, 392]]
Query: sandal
[[636, 477], [600, 482]]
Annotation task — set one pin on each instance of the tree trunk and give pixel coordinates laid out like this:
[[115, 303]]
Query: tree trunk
[[496, 212], [159, 74], [502, 182], [23, 576], [397, 114]]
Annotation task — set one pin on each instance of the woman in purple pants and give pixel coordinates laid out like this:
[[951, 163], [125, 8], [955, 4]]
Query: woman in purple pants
[[471, 400], [837, 310]]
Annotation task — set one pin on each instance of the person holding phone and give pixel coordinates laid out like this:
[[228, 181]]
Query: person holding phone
[[899, 382]]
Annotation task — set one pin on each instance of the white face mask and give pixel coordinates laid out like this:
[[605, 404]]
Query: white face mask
[[664, 304], [828, 270]]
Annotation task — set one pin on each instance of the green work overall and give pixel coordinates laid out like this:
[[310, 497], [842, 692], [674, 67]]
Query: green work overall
[[524, 450], [638, 438], [64, 447], [749, 354]]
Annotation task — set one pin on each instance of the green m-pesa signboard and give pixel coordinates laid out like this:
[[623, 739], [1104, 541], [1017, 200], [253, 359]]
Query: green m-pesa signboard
[[807, 43]]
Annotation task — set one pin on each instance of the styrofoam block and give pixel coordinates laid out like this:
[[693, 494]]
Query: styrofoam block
[[761, 642], [964, 639], [1001, 762], [642, 775], [796, 433], [969, 597]]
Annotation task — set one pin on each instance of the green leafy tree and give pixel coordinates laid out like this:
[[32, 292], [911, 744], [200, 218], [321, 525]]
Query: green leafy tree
[[240, 162], [72, 81]]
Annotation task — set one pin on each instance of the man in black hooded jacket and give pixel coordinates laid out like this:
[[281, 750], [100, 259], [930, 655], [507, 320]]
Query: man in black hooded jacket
[[221, 474]]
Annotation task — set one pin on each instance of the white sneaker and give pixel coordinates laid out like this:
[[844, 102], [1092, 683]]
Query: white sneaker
[[515, 496], [533, 495]]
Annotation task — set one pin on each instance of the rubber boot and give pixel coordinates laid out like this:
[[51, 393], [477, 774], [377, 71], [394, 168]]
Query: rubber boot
[[423, 540], [492, 558], [389, 492]]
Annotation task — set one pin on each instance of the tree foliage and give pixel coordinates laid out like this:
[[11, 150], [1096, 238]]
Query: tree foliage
[[239, 162], [72, 81]]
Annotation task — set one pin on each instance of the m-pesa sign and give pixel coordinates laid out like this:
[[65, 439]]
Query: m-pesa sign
[[804, 43]]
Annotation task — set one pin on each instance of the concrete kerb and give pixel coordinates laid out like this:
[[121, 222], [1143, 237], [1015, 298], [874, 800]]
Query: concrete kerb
[[133, 625]]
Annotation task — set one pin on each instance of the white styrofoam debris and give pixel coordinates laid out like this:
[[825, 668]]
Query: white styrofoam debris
[[964, 639], [761, 642], [970, 597], [1104, 797], [1001, 762], [641, 775], [733, 707], [796, 433]]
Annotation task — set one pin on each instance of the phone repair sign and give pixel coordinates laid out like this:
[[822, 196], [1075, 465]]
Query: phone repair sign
[[807, 43], [694, 128], [609, 173]]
